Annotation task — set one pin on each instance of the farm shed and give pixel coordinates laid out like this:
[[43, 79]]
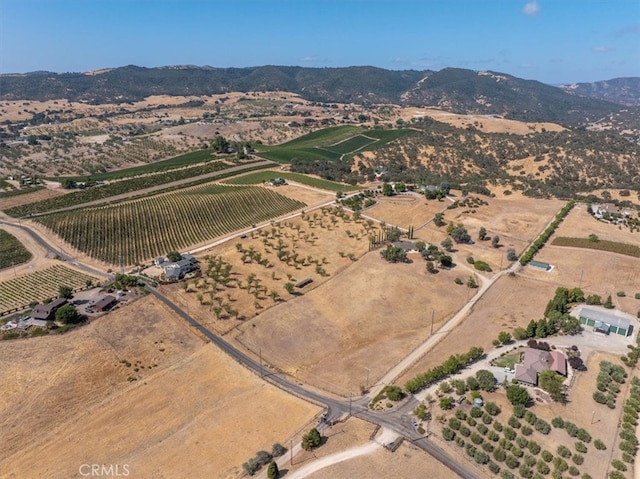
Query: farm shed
[[540, 265], [105, 303], [603, 321], [407, 246], [303, 283]]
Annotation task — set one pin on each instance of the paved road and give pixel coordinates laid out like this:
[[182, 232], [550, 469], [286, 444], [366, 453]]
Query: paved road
[[54, 252], [396, 420]]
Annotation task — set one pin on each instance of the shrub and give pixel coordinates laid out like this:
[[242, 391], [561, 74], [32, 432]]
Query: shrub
[[547, 456], [526, 430], [628, 458], [521, 442], [486, 419], [619, 465], [487, 446], [471, 422], [583, 435], [542, 467], [263, 458], [512, 462], [482, 429], [519, 411], [621, 294], [573, 470], [542, 426], [497, 425], [493, 436], [460, 414], [454, 423], [529, 460], [448, 434], [476, 438], [493, 467], [492, 408], [557, 422], [563, 451], [499, 455], [513, 422], [516, 451], [580, 447], [506, 474], [560, 464], [251, 466], [475, 412], [525, 471], [616, 475], [534, 447], [578, 459], [278, 450], [465, 431], [272, 471], [480, 457], [599, 445], [599, 397], [571, 428], [509, 433], [530, 417]]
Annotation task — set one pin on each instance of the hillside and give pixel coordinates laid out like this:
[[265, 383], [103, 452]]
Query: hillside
[[625, 91], [454, 89]]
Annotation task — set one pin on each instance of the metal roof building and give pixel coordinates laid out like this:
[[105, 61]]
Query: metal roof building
[[605, 321]]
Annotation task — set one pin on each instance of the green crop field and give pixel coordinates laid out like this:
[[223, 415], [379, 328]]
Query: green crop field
[[330, 144], [137, 230], [262, 176], [18, 293], [602, 245], [12, 252], [352, 144]]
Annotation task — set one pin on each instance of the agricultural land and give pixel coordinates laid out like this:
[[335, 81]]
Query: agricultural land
[[328, 284]]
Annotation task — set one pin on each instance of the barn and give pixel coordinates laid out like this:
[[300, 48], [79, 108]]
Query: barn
[[605, 322]]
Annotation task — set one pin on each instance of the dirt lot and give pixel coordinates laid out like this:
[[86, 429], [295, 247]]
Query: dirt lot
[[579, 410], [511, 302], [39, 195], [369, 316], [409, 209], [76, 393]]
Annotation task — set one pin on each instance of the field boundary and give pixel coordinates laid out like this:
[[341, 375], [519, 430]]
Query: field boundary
[[601, 245]]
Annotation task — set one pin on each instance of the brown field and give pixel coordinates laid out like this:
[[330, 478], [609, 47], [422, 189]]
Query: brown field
[[579, 223], [370, 315], [509, 303], [39, 195], [329, 240], [580, 409], [572, 264], [67, 401], [409, 209], [406, 462], [485, 123]]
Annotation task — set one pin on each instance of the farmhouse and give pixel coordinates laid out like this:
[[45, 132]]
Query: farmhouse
[[535, 361], [609, 211], [105, 303], [177, 270], [407, 246], [47, 312], [605, 321]]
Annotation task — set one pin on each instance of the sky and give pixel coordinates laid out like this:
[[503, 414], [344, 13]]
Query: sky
[[553, 41]]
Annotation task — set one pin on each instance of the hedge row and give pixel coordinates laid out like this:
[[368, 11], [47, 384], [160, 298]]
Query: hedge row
[[546, 234]]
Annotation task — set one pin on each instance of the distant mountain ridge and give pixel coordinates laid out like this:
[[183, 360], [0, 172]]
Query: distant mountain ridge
[[625, 91], [454, 89]]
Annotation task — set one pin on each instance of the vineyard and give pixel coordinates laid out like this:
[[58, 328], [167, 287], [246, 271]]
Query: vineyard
[[12, 252], [598, 244], [19, 292], [134, 231], [116, 188]]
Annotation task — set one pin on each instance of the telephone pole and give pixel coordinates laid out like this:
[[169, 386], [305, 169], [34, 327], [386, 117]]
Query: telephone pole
[[433, 313]]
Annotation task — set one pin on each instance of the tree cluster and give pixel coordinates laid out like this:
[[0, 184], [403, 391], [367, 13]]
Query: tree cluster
[[452, 365]]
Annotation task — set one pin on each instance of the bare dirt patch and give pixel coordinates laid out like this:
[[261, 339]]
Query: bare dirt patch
[[511, 302], [369, 316], [85, 410], [411, 209], [43, 194]]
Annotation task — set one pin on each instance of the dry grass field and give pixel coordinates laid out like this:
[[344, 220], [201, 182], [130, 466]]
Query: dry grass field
[[511, 302], [69, 400], [39, 195], [370, 315], [579, 223], [321, 237], [576, 266], [580, 409], [409, 209], [485, 123]]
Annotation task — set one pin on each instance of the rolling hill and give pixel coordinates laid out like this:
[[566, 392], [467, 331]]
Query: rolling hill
[[454, 89], [625, 91]]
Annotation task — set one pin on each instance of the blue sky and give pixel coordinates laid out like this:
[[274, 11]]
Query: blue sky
[[554, 41]]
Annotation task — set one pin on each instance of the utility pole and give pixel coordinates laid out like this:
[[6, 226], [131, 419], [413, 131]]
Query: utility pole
[[433, 313], [261, 373], [291, 449], [367, 383], [580, 282]]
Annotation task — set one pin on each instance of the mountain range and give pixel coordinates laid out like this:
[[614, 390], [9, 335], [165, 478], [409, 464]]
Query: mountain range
[[453, 89]]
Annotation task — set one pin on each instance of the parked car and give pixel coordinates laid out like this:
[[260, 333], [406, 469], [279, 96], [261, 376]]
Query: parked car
[[509, 370]]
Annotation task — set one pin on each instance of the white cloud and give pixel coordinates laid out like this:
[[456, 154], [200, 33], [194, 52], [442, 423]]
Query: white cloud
[[601, 49], [531, 8], [312, 59]]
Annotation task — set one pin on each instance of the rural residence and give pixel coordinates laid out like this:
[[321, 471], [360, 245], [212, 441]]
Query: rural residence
[[535, 361], [105, 303], [47, 312]]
